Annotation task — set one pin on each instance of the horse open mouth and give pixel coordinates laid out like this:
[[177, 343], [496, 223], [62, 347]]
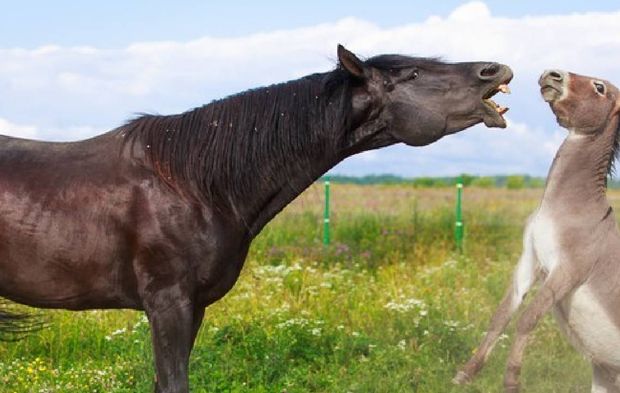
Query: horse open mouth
[[495, 112]]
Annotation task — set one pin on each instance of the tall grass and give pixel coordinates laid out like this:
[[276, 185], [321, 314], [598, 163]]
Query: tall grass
[[388, 307]]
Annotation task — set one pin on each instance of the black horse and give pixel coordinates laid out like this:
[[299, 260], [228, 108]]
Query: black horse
[[158, 214]]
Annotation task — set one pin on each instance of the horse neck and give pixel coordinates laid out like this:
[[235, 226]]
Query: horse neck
[[247, 156], [578, 176], [303, 171]]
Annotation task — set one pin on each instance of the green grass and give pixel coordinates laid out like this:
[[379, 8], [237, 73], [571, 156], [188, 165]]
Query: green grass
[[388, 307]]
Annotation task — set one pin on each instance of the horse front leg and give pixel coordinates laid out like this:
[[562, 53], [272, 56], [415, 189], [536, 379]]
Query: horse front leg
[[199, 313], [174, 324]]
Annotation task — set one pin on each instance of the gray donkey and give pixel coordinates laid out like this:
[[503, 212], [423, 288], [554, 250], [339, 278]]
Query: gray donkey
[[571, 242]]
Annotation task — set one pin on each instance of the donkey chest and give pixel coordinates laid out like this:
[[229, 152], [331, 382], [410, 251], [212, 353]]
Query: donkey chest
[[586, 322], [546, 242]]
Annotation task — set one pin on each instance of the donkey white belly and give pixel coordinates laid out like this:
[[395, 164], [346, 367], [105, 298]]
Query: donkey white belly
[[588, 327]]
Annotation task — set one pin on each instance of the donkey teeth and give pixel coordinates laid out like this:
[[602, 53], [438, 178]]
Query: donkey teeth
[[504, 88]]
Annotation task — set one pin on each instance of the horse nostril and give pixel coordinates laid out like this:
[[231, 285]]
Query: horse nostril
[[489, 71]]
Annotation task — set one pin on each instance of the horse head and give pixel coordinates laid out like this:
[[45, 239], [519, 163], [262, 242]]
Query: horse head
[[420, 100]]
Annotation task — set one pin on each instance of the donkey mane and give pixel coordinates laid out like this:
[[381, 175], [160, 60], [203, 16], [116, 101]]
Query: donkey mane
[[233, 148], [615, 152]]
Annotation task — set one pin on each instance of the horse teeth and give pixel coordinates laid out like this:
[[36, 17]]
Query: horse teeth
[[504, 88]]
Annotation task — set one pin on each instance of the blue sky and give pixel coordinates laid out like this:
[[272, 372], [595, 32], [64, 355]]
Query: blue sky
[[114, 23], [70, 70]]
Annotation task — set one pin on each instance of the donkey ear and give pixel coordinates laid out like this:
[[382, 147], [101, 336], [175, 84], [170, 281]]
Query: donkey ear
[[616, 110], [351, 63]]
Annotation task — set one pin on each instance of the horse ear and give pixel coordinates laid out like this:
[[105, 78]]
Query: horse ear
[[351, 63]]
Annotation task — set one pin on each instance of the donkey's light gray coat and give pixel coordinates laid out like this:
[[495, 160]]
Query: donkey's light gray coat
[[571, 242]]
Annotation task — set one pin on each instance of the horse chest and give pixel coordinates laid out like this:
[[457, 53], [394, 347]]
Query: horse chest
[[588, 326]]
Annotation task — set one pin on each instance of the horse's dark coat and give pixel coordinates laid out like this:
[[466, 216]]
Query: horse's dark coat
[[158, 215]]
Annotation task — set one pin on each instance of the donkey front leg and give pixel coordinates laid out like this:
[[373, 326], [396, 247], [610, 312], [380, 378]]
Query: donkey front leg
[[174, 323], [500, 320], [558, 284], [604, 379], [524, 276]]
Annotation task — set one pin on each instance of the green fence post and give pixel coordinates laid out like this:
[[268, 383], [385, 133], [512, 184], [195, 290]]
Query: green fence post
[[459, 228], [326, 214]]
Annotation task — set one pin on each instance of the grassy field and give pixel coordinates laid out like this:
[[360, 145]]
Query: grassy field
[[388, 307]]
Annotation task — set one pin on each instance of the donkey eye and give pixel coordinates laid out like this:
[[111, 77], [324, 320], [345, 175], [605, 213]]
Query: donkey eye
[[600, 87], [414, 75]]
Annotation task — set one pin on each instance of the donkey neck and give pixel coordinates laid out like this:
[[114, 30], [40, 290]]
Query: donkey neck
[[578, 175]]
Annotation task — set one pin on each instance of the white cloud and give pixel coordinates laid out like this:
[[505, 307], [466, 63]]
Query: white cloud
[[471, 12], [71, 91], [518, 149], [52, 134], [22, 131]]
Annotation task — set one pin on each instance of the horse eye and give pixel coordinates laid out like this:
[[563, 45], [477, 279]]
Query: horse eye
[[600, 88]]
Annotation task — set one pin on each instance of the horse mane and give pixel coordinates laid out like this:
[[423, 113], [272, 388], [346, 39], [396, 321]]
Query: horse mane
[[394, 62], [231, 149]]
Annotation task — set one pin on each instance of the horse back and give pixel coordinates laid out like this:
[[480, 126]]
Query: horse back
[[69, 216]]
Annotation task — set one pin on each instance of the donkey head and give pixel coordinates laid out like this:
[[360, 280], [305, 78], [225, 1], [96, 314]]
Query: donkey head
[[581, 104], [421, 100]]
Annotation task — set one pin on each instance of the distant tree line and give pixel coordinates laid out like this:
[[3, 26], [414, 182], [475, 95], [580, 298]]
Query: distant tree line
[[513, 182]]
